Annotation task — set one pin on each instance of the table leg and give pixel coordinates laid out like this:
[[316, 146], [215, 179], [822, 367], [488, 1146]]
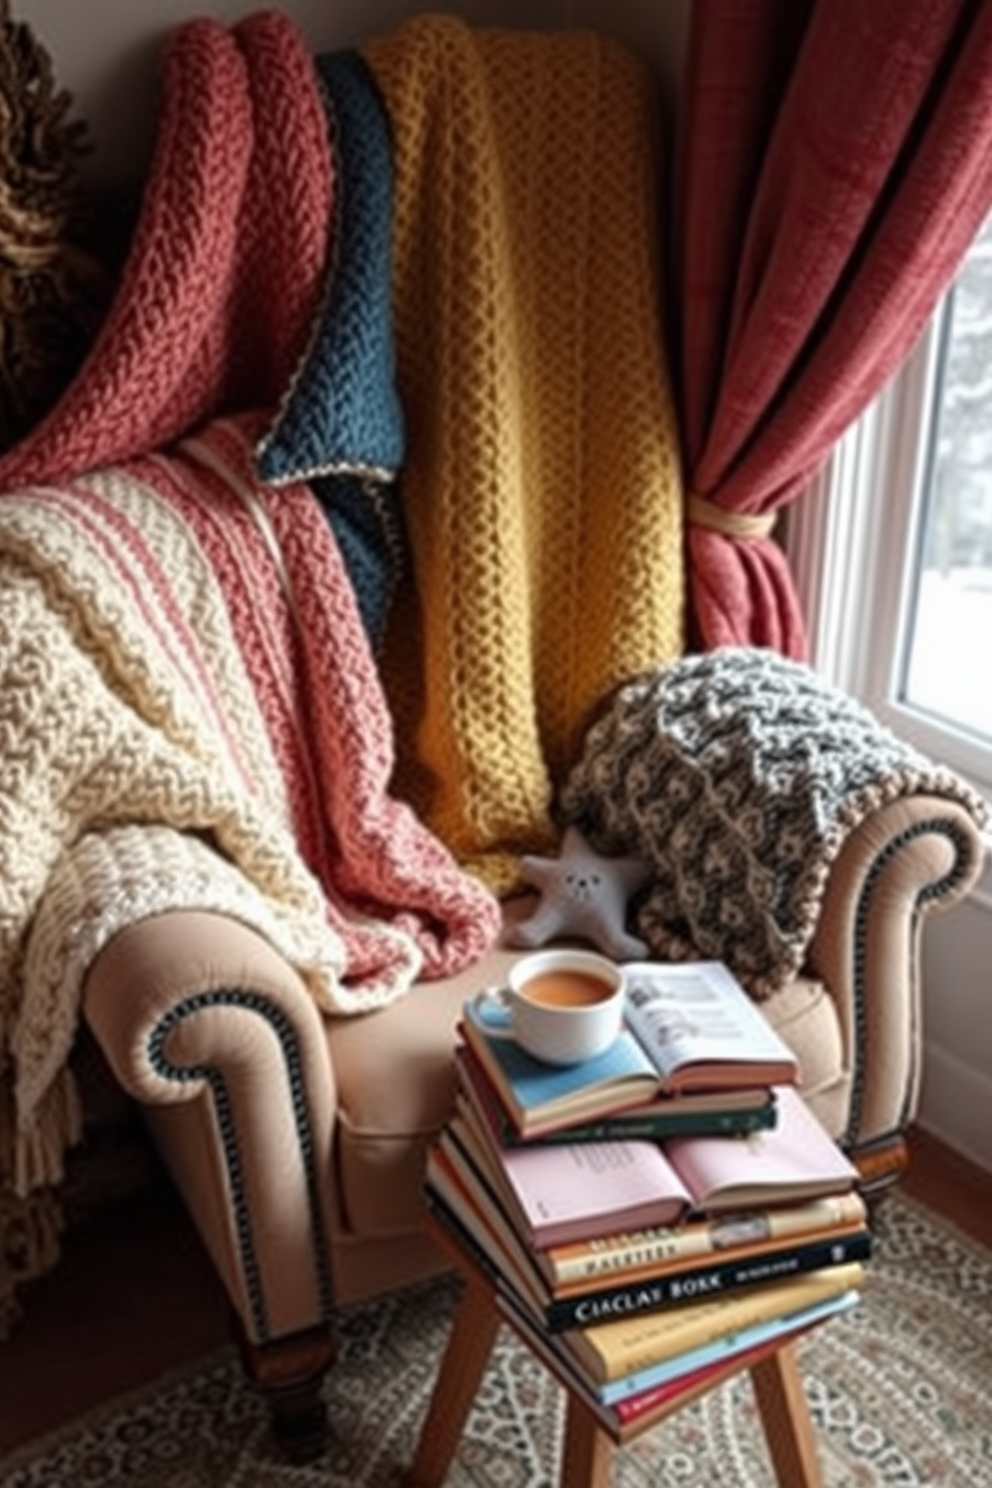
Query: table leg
[[785, 1415], [470, 1344], [587, 1457]]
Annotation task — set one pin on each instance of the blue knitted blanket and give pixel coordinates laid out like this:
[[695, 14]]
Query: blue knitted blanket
[[340, 426]]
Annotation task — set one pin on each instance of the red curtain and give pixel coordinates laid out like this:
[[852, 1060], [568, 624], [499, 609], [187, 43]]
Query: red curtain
[[836, 162]]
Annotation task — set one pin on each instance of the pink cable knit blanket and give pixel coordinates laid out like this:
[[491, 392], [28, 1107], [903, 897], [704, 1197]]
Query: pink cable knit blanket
[[190, 717]]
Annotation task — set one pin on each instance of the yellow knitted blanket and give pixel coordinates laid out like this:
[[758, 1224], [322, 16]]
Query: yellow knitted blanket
[[542, 485]]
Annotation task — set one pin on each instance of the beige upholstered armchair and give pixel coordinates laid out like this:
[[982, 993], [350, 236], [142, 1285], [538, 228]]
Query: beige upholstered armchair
[[298, 1141]]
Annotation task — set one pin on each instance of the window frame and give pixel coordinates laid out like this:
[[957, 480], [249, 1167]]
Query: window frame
[[852, 540]]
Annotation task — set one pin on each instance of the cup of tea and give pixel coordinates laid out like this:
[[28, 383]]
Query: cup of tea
[[562, 1006]]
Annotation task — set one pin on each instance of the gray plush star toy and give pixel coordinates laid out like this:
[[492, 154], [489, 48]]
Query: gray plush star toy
[[585, 895]]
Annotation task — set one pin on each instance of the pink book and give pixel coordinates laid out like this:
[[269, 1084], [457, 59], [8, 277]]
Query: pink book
[[794, 1160], [569, 1191], [577, 1190]]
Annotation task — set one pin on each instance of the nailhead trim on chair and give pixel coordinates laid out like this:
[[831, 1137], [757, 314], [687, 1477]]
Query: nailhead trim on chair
[[163, 1066], [257, 1004], [929, 891]]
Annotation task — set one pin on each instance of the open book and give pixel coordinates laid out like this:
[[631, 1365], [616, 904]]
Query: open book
[[796, 1160], [693, 1041], [569, 1191], [701, 1029], [717, 1113]]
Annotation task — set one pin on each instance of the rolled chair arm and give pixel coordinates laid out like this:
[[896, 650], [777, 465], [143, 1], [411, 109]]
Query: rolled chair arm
[[912, 857], [217, 1038]]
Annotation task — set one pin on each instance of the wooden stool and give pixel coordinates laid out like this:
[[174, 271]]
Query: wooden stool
[[588, 1449]]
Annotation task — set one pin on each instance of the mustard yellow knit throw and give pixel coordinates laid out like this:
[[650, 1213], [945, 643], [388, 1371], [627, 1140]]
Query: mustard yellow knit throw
[[542, 487]]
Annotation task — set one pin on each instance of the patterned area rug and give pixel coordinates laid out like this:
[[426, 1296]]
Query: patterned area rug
[[900, 1391]]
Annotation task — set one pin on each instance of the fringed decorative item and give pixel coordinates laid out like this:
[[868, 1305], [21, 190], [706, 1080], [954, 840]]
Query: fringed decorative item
[[53, 290]]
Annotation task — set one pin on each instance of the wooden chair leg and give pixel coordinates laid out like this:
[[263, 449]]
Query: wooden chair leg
[[469, 1346], [289, 1374], [587, 1457], [881, 1164], [785, 1416]]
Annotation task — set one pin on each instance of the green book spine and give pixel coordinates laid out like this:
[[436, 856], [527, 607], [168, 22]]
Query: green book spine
[[628, 1126]]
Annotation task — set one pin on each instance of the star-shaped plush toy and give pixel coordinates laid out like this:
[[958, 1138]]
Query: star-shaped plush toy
[[585, 895]]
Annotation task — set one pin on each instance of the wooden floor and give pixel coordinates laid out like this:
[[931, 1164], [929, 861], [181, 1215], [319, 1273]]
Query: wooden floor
[[131, 1297], [137, 1296]]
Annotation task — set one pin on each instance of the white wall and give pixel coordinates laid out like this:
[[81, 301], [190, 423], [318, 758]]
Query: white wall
[[106, 51], [957, 1025]]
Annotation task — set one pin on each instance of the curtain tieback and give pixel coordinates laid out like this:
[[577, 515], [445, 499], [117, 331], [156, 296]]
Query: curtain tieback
[[706, 513]]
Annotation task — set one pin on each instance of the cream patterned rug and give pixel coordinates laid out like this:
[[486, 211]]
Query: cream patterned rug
[[900, 1391]]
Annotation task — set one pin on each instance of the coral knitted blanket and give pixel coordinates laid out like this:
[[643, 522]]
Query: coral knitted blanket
[[217, 298], [541, 483], [739, 774]]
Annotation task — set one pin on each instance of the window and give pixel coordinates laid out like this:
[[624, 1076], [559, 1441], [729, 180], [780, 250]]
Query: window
[[894, 564], [949, 611]]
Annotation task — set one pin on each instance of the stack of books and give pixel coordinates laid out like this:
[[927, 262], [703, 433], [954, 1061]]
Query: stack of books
[[661, 1210]]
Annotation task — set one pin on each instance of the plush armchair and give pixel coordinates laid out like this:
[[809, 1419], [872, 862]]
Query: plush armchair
[[298, 1141]]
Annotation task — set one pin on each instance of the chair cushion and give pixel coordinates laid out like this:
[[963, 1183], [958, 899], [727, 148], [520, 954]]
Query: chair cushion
[[396, 1082], [395, 1090]]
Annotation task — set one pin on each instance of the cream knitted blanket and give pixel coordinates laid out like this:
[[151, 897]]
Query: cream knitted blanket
[[190, 717], [541, 486]]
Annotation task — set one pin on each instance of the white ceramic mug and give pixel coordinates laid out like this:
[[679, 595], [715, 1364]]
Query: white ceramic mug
[[562, 1006]]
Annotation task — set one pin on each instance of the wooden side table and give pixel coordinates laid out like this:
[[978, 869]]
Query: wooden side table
[[589, 1444]]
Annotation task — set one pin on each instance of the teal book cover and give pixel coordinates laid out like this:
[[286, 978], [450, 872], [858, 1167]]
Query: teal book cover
[[535, 1084]]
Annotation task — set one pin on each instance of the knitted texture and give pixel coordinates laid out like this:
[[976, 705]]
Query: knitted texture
[[222, 281], [367, 522], [239, 291], [541, 484], [341, 425], [341, 412], [739, 774], [136, 693], [376, 855], [102, 883]]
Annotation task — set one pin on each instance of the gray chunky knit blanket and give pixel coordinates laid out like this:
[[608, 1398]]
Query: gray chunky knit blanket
[[739, 774]]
